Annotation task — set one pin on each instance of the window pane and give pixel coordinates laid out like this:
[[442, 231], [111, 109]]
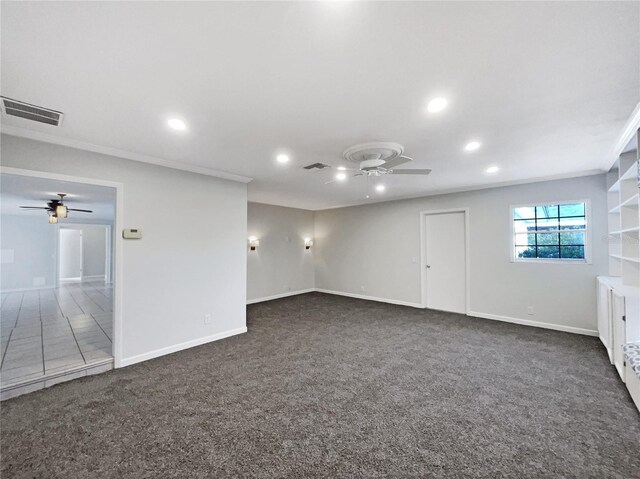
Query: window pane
[[572, 238], [547, 224], [524, 239], [547, 211], [525, 212], [572, 223], [522, 226], [525, 252], [576, 209], [548, 251], [572, 252], [548, 239]]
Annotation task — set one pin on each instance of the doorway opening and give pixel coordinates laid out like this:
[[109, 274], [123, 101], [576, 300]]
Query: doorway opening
[[58, 303]]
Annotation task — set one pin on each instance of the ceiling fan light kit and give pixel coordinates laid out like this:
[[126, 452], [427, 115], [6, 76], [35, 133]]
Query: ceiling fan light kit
[[56, 209]]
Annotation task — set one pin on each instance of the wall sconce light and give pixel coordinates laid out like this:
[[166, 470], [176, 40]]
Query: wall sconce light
[[253, 243], [308, 243], [53, 219]]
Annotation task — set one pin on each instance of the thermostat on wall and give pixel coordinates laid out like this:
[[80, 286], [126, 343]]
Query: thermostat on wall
[[131, 233]]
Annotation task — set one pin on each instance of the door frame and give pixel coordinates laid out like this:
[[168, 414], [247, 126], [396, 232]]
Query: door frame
[[423, 254], [108, 241], [117, 244]]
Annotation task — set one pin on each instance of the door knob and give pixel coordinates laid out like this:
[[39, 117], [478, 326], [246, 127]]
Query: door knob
[[428, 266]]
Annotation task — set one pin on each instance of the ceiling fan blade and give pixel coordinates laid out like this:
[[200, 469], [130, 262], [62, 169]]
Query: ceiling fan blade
[[397, 161], [424, 171], [75, 209], [35, 207]]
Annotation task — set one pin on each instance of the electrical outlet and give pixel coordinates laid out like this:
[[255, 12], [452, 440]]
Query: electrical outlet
[[207, 319], [362, 288], [530, 310], [414, 260]]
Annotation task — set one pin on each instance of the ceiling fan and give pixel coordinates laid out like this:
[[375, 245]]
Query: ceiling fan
[[56, 209], [375, 159]]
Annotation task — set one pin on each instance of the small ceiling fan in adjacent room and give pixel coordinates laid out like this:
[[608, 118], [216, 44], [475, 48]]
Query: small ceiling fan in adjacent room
[[56, 209]]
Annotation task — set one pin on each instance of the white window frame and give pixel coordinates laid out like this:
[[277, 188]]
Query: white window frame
[[587, 234]]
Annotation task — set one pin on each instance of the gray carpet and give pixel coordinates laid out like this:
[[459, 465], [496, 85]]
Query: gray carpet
[[325, 386]]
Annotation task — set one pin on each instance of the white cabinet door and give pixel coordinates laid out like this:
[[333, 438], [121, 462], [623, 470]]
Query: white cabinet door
[[604, 317], [618, 319]]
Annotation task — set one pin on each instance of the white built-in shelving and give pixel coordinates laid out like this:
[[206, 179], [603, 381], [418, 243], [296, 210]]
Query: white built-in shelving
[[624, 219]]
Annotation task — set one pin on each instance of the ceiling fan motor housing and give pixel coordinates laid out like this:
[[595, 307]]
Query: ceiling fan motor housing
[[370, 156]]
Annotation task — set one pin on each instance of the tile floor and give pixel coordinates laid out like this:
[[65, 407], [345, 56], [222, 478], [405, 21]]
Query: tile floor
[[48, 331]]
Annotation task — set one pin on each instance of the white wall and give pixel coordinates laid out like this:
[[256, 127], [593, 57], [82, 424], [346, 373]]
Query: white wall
[[373, 246], [280, 265], [29, 252], [70, 247], [192, 259], [94, 251]]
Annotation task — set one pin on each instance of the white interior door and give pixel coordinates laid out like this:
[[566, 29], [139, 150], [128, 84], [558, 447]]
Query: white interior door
[[446, 257], [70, 254]]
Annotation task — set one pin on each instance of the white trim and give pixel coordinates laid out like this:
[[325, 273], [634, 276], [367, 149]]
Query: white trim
[[105, 150], [30, 288], [588, 258], [536, 324], [370, 298], [117, 246], [179, 347], [448, 191], [281, 295], [94, 278], [630, 128], [423, 254]]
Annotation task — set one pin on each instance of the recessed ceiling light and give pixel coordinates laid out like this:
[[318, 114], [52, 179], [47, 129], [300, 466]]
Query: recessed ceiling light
[[492, 169], [342, 168], [341, 176], [380, 188], [472, 146], [177, 124], [436, 105], [282, 158]]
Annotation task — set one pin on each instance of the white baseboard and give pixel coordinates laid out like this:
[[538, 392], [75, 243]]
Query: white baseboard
[[281, 295], [99, 277], [178, 347], [537, 324], [30, 288], [371, 298]]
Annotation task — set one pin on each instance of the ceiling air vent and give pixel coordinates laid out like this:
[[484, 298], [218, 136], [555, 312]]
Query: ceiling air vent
[[31, 112], [317, 166]]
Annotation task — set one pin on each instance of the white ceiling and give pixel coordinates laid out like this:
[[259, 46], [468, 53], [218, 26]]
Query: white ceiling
[[17, 190], [546, 87]]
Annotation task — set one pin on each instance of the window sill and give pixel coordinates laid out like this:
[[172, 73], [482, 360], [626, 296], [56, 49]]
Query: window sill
[[551, 261]]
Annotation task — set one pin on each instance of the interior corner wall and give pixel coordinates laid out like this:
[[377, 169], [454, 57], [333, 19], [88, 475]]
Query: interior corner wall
[[28, 253], [369, 250], [191, 260], [280, 265]]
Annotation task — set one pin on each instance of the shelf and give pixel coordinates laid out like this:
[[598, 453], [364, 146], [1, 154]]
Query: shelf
[[629, 202], [635, 229], [625, 258], [630, 174]]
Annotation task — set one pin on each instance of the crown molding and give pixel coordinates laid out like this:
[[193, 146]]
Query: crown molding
[[82, 145], [630, 128]]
